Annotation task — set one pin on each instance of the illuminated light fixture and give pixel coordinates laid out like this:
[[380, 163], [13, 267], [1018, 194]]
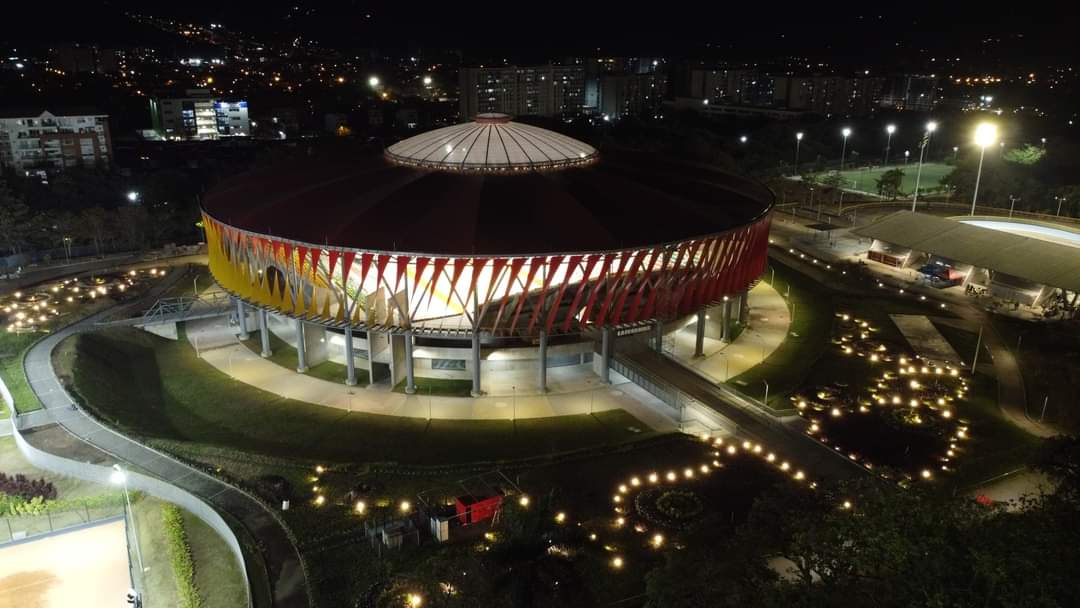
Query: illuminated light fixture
[[405, 506], [360, 507], [688, 473], [320, 500], [657, 540], [617, 562], [560, 517], [671, 476], [523, 501], [927, 474], [634, 481], [731, 449], [653, 477]]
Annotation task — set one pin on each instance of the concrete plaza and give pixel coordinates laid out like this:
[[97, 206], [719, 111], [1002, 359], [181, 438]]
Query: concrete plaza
[[768, 325]]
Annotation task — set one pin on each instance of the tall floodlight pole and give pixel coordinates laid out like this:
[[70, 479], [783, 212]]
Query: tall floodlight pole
[[985, 135], [798, 140], [119, 477], [888, 142], [843, 150], [930, 128]]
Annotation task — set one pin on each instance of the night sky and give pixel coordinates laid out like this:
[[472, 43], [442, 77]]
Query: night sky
[[842, 32]]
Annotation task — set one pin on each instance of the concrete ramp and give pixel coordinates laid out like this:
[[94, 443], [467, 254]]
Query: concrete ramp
[[925, 339]]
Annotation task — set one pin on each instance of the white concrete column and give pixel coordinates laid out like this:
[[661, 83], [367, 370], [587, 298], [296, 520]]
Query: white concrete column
[[725, 320], [476, 392], [371, 336], [264, 334], [658, 336], [744, 307], [543, 361], [350, 363], [410, 380], [699, 338], [605, 355], [241, 319], [301, 348]]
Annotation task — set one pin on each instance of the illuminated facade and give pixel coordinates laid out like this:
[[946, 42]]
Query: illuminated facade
[[450, 259]]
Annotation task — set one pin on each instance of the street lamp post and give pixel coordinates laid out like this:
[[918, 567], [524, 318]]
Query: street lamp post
[[843, 150], [930, 128], [888, 142], [985, 135], [766, 399], [907, 155], [119, 477], [798, 141], [1012, 203], [955, 153], [1059, 199]]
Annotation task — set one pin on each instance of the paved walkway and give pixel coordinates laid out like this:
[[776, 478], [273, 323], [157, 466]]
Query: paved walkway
[[282, 560], [925, 339], [768, 326], [1012, 398], [220, 348], [805, 453]]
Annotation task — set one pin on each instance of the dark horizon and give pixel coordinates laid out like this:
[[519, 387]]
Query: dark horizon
[[844, 33]]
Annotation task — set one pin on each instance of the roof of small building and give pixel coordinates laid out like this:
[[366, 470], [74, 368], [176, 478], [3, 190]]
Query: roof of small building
[[1028, 258]]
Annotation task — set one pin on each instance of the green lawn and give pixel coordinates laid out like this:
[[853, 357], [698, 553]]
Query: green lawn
[[284, 354], [158, 389], [865, 180], [787, 367], [443, 387], [13, 349], [217, 573]]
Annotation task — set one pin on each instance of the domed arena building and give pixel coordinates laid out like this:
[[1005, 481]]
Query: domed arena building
[[481, 249]]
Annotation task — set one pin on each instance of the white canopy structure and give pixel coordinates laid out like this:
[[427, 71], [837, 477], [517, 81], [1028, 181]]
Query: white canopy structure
[[492, 142]]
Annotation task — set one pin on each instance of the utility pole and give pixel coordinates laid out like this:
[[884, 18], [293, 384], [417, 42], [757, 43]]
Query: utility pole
[[1012, 203]]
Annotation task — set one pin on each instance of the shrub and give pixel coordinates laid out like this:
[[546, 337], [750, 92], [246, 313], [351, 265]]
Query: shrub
[[180, 555], [23, 487]]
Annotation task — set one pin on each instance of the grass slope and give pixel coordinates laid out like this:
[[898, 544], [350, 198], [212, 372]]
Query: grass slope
[[158, 389]]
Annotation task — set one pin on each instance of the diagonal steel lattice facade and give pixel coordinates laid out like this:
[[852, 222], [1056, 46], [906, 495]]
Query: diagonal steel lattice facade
[[563, 293]]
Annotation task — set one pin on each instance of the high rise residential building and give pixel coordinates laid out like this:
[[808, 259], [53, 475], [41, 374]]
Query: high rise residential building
[[828, 94], [52, 140], [631, 94], [197, 114], [916, 92], [733, 86], [547, 90]]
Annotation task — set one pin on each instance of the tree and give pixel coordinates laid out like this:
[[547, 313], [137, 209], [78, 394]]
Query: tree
[[1025, 155], [834, 181], [523, 563], [14, 220], [888, 185]]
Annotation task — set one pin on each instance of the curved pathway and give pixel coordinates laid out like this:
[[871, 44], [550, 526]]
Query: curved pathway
[[282, 559]]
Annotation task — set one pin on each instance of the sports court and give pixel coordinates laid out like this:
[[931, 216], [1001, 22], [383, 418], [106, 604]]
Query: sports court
[[864, 178], [86, 568]]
